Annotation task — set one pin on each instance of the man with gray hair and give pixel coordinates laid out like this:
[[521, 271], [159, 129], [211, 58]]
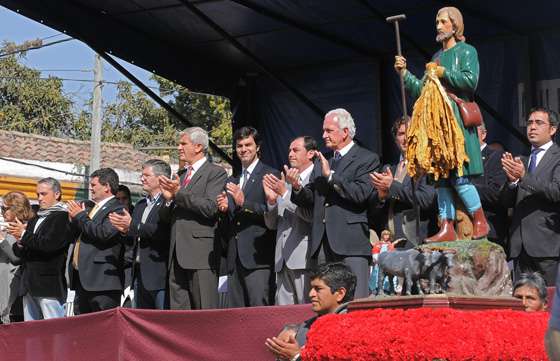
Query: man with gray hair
[[339, 197], [530, 288], [42, 250], [192, 210], [147, 239]]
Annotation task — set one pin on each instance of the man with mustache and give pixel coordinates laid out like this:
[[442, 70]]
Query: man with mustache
[[458, 71]]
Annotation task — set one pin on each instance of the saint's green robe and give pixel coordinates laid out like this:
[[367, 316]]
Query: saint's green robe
[[460, 77]]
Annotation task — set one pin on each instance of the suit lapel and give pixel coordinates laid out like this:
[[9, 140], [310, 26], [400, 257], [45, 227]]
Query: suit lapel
[[550, 155], [155, 208], [485, 154], [345, 161], [102, 212], [252, 177], [197, 175]]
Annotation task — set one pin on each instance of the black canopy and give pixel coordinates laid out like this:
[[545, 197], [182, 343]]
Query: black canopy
[[284, 63]]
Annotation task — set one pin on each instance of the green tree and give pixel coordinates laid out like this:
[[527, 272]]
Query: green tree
[[210, 112], [131, 118], [29, 103]]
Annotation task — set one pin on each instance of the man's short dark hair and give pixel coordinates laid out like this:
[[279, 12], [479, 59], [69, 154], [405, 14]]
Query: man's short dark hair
[[336, 275], [533, 280], [107, 176], [54, 184], [552, 115], [246, 132], [399, 123], [159, 167], [309, 143]]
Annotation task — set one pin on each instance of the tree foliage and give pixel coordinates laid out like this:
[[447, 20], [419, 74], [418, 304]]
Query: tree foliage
[[207, 111], [31, 104]]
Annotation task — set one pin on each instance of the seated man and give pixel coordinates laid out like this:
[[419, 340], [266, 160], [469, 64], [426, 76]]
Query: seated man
[[332, 287], [531, 289]]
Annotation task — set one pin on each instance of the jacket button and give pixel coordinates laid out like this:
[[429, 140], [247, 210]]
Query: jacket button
[[323, 220]]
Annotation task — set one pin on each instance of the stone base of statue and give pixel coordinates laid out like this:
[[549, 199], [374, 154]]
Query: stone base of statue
[[437, 301], [479, 268]]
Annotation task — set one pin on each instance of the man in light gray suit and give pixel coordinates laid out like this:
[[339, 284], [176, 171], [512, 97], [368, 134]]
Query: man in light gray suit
[[192, 210], [293, 225]]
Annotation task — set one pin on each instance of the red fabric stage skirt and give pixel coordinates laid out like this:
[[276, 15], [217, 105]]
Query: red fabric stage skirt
[[128, 334]]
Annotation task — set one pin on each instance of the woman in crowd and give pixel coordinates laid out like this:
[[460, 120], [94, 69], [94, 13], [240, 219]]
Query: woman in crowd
[[16, 211]]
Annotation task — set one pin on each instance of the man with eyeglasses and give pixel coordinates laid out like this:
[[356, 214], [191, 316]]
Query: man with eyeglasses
[[533, 190], [147, 239]]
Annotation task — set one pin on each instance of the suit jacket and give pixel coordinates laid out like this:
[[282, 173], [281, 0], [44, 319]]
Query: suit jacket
[[100, 265], [150, 241], [43, 254], [535, 224], [401, 197], [247, 235], [193, 217], [488, 186], [340, 205], [293, 229]]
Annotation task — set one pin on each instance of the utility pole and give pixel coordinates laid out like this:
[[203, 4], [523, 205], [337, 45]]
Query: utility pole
[[96, 119]]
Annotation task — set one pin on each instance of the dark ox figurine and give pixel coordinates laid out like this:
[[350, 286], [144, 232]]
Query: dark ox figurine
[[413, 265]]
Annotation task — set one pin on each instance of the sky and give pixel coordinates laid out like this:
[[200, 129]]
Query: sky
[[68, 60]]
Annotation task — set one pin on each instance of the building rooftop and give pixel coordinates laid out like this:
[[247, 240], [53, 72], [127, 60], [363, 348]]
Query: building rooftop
[[51, 149]]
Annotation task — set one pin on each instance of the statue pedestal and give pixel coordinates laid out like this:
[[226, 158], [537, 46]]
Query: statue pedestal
[[437, 301], [480, 268]]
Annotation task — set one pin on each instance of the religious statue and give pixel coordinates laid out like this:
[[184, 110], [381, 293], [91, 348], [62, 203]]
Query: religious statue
[[439, 143]]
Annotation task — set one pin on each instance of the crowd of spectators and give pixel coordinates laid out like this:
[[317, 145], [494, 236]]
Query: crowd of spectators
[[263, 228]]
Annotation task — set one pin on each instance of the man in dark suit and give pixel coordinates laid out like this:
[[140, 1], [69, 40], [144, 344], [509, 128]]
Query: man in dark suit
[[251, 245], [97, 253], [397, 198], [339, 197], [488, 186], [147, 239], [192, 210], [533, 190], [42, 250]]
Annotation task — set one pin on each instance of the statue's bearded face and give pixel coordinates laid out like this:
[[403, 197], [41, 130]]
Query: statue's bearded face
[[444, 27]]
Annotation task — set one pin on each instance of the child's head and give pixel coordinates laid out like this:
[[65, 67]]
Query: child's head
[[386, 236]]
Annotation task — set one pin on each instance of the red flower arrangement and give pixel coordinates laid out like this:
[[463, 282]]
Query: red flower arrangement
[[428, 334]]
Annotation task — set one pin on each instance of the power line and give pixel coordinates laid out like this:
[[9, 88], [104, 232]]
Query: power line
[[2, 55], [65, 70]]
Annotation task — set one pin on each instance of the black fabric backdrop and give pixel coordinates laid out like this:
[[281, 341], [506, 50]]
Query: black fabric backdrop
[[336, 54]]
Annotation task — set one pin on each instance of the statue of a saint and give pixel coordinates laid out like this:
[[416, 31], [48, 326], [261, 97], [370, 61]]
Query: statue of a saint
[[451, 151]]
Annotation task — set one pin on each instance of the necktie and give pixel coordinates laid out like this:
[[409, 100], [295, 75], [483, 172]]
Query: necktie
[[533, 160], [401, 171], [187, 178], [245, 179], [76, 254], [336, 158]]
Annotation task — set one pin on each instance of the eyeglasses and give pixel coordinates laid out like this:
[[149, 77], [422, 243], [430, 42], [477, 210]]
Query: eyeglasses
[[538, 122]]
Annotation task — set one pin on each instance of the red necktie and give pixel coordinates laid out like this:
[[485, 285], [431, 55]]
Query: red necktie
[[187, 178]]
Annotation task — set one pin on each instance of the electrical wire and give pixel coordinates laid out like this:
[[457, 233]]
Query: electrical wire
[[3, 55]]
